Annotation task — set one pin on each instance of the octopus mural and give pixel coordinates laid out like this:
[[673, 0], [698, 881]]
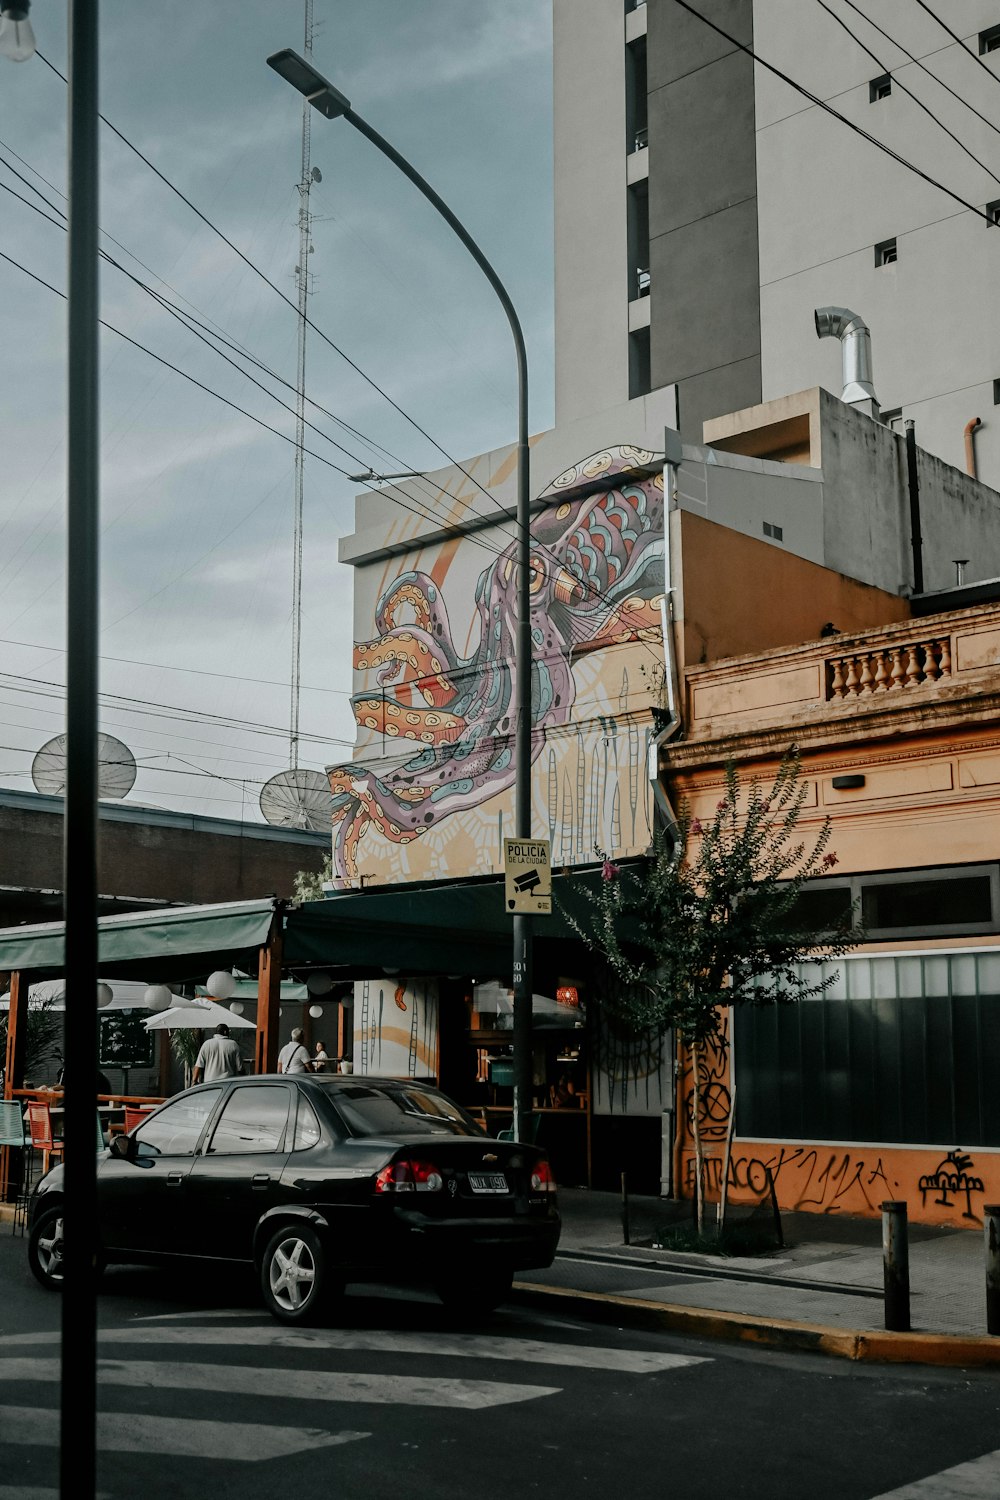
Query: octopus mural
[[596, 579]]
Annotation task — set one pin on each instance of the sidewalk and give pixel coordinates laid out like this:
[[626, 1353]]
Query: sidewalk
[[824, 1289]]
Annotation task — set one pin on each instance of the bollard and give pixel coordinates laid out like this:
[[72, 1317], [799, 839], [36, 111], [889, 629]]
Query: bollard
[[896, 1267], [991, 1235], [625, 1233]]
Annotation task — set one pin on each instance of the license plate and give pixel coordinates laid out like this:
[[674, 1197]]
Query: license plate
[[487, 1182]]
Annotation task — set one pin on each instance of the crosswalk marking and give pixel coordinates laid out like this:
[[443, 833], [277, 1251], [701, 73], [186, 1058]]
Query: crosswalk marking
[[308, 1385], [979, 1479], [470, 1346], [182, 1437]]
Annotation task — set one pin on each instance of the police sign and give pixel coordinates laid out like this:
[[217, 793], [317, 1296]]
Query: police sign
[[528, 876]]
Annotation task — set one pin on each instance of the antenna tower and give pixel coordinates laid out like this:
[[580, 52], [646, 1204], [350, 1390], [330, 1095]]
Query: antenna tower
[[302, 280]]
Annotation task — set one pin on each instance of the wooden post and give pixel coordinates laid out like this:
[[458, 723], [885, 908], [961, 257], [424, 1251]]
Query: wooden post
[[343, 1014], [13, 1072], [269, 998]]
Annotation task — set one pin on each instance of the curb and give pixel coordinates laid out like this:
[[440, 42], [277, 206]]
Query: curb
[[917, 1348]]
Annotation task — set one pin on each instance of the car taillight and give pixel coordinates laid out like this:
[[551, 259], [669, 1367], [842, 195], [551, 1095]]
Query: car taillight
[[542, 1180], [409, 1176]]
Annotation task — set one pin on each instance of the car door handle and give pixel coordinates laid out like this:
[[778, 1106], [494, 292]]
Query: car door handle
[[260, 1180], [174, 1179]]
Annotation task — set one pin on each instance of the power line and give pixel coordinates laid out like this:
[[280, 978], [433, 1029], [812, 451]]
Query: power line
[[275, 288], [829, 109], [916, 99], [956, 38], [925, 69]]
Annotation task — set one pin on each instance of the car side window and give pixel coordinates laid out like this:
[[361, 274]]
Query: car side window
[[307, 1131], [253, 1119], [174, 1129]]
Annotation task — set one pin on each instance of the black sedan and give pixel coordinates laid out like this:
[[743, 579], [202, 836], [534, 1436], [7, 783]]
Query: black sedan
[[317, 1181]]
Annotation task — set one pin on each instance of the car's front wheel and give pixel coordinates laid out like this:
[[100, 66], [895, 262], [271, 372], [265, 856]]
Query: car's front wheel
[[45, 1248], [295, 1276]]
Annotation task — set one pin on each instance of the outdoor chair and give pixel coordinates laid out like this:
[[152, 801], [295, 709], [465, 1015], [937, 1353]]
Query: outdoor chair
[[12, 1136], [134, 1117], [42, 1139], [533, 1124]]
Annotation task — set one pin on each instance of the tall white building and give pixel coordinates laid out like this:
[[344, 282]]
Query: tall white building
[[705, 207]]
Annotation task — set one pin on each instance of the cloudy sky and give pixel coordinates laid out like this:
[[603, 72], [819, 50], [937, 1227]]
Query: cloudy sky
[[196, 499]]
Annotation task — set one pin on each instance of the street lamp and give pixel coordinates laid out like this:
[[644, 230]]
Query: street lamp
[[17, 39], [330, 102]]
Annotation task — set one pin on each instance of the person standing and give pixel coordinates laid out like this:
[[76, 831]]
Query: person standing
[[219, 1057], [293, 1057], [320, 1058]]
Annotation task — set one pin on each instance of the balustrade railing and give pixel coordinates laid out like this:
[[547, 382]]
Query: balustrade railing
[[861, 674]]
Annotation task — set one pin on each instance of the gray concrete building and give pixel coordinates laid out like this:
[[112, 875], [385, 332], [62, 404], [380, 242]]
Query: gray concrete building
[[704, 208]]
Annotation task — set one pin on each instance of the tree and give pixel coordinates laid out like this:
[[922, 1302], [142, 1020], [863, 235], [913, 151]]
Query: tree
[[43, 1034], [309, 883], [710, 919]]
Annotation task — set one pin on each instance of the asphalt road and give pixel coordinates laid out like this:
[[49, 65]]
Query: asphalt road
[[203, 1395]]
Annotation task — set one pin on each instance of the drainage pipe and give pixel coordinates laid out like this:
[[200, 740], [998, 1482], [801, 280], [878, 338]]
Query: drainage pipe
[[913, 481], [971, 428]]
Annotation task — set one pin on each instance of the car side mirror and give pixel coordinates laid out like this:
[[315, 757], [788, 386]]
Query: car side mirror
[[123, 1147]]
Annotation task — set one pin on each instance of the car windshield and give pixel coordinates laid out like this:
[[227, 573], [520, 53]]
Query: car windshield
[[402, 1111]]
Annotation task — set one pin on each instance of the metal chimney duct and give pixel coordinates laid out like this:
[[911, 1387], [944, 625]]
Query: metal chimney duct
[[856, 342]]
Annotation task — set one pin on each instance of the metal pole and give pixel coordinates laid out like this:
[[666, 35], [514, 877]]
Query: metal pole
[[77, 1453], [523, 966], [991, 1236], [896, 1267]]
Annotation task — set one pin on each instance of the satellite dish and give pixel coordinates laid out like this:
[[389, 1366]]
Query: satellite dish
[[298, 799], [115, 767], [316, 174]]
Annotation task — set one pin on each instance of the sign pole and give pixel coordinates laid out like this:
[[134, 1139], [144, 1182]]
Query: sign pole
[[527, 893]]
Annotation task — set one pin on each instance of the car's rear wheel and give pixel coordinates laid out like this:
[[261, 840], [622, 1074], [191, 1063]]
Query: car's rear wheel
[[472, 1293], [295, 1276], [45, 1248]]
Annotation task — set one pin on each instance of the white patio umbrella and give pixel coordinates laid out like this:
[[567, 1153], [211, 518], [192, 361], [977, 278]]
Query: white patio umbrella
[[196, 1015]]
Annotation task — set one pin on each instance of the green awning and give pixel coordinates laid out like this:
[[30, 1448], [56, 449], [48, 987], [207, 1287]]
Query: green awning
[[177, 943], [432, 929]]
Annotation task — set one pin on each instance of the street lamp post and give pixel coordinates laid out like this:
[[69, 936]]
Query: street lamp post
[[330, 102]]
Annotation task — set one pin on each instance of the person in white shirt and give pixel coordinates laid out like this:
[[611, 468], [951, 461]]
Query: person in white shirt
[[320, 1058], [293, 1057], [219, 1058]]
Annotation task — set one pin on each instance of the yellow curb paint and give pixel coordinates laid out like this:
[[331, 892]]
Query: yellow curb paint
[[842, 1343]]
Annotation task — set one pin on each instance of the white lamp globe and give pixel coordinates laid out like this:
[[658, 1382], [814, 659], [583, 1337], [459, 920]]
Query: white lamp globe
[[105, 994], [157, 997], [319, 984], [221, 985], [237, 1007], [315, 1011]]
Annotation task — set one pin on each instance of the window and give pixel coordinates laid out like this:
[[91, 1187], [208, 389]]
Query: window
[[993, 211], [639, 377], [638, 240], [989, 40], [880, 88], [402, 1111], [253, 1120], [307, 1131], [892, 417], [885, 253], [996, 393], [773, 531], [177, 1127], [955, 900], [636, 99]]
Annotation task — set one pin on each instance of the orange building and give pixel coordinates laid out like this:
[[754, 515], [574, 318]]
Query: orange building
[[886, 1087]]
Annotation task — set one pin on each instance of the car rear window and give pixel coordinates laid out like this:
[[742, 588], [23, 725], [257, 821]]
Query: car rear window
[[402, 1111]]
